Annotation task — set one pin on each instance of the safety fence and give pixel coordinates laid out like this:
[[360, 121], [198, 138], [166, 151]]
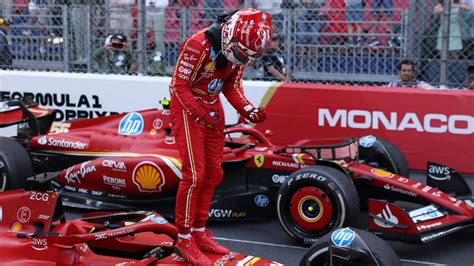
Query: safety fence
[[327, 43]]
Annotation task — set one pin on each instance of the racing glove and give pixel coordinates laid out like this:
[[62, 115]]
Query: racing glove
[[257, 115], [211, 120]]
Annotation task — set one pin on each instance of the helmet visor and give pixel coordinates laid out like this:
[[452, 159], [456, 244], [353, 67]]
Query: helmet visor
[[243, 56]]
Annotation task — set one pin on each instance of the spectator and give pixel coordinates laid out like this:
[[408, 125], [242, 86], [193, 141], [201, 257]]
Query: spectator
[[354, 15], [114, 57], [273, 61], [157, 3], [121, 15], [308, 25], [39, 10], [6, 56], [155, 19], [78, 11], [377, 14], [455, 38], [156, 63], [211, 9], [469, 81], [468, 32], [272, 6], [407, 78]]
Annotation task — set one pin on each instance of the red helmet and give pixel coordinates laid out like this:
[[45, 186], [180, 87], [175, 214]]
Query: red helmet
[[246, 35]]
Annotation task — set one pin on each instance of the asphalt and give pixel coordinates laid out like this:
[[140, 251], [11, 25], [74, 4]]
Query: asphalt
[[267, 239]]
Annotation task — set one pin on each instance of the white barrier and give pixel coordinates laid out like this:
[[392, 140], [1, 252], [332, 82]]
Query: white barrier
[[78, 95]]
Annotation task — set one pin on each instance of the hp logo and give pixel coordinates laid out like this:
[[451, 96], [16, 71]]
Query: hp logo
[[342, 237], [367, 141], [261, 201], [131, 124]]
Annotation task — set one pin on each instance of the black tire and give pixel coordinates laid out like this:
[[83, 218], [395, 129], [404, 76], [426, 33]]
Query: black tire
[[324, 189], [386, 156], [318, 253], [15, 164]]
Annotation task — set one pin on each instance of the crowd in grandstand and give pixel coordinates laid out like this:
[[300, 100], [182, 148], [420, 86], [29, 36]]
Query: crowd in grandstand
[[315, 36]]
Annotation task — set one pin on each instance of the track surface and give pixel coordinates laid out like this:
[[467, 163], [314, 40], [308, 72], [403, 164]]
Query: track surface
[[266, 239]]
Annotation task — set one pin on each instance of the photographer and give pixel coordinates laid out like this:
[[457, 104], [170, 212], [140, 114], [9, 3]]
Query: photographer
[[5, 51], [114, 57], [469, 80]]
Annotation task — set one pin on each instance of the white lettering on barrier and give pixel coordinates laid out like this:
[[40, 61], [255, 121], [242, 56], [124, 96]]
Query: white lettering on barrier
[[362, 119]]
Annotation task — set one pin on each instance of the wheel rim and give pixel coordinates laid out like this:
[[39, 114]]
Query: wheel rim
[[311, 209]]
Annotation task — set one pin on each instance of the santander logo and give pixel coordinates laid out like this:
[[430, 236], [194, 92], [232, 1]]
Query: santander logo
[[386, 214], [42, 140]]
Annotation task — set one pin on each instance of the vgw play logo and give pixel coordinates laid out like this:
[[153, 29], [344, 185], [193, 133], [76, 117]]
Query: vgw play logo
[[131, 124]]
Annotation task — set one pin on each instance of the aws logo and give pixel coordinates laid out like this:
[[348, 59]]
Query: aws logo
[[148, 177]]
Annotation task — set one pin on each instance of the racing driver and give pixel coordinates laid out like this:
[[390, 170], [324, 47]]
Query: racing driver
[[211, 61]]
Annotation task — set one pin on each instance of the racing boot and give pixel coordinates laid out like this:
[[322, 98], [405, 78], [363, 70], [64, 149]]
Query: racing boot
[[187, 249], [205, 243]]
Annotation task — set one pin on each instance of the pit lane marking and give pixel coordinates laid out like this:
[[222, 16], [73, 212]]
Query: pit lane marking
[[422, 262], [306, 248]]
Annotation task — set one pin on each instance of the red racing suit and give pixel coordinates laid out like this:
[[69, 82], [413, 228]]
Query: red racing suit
[[195, 87]]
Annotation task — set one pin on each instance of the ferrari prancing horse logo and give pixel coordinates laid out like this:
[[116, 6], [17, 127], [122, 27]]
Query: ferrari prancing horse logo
[[258, 159]]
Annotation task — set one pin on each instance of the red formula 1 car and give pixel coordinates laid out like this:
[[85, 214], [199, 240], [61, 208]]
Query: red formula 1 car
[[130, 161], [33, 231]]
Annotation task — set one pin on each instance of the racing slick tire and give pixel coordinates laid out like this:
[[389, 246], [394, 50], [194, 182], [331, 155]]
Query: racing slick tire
[[383, 154], [318, 253], [314, 201], [15, 164]]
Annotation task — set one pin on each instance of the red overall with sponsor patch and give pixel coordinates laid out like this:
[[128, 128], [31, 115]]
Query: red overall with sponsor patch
[[195, 87]]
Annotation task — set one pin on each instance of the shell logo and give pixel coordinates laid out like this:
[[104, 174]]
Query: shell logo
[[382, 173], [148, 177], [16, 227]]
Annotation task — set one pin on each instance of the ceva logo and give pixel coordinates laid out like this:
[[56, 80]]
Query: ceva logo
[[131, 124], [342, 237]]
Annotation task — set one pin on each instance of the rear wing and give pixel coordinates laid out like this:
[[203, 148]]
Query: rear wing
[[18, 111]]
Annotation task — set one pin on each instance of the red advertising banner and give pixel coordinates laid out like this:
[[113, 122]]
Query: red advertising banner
[[427, 125]]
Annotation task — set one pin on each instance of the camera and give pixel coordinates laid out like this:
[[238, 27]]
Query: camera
[[117, 45]]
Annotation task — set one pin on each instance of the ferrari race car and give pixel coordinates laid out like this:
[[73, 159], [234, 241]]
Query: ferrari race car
[[130, 161], [33, 231]]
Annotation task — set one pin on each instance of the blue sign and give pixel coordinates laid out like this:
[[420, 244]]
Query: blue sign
[[367, 141], [261, 201], [342, 237], [131, 124]]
